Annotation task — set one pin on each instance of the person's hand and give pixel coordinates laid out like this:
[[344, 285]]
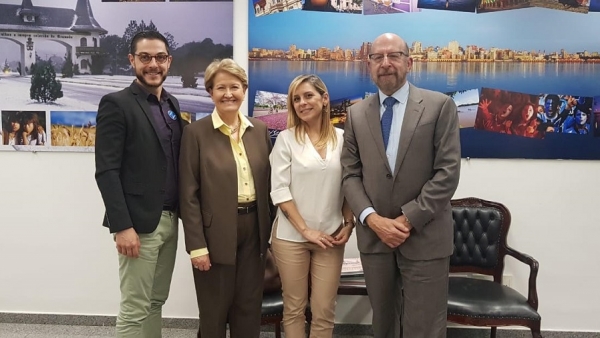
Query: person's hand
[[201, 263], [485, 103], [530, 130], [24, 135], [391, 231], [128, 243], [343, 235], [318, 237], [406, 225]]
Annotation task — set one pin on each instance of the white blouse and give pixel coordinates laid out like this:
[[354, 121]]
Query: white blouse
[[315, 184]]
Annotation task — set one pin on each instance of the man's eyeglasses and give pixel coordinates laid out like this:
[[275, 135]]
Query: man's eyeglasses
[[393, 56], [147, 58]]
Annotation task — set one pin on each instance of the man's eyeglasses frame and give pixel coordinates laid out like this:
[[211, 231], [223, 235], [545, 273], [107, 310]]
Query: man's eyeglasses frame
[[147, 58], [393, 56]]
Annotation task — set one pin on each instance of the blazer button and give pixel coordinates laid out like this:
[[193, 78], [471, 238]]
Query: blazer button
[[388, 175]]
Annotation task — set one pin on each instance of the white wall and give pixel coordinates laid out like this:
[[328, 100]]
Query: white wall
[[56, 258]]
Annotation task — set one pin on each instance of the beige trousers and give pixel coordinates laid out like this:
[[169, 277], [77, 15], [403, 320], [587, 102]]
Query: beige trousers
[[304, 265]]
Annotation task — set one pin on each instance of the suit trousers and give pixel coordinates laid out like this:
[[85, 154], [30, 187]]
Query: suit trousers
[[233, 293], [407, 295], [304, 264], [145, 281]]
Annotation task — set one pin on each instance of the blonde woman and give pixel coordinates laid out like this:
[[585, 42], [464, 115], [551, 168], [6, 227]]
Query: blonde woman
[[313, 223]]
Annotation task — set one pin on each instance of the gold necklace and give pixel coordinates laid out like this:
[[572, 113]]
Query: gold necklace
[[233, 130]]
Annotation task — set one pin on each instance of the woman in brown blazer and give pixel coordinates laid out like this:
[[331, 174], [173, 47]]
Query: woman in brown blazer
[[224, 187]]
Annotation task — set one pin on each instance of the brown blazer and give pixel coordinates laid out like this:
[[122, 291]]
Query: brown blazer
[[208, 187], [425, 177]]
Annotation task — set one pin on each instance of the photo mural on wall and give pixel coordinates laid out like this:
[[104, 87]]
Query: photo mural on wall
[[500, 60], [59, 57]]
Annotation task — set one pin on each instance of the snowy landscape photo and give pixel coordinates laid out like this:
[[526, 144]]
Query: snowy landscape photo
[[64, 55]]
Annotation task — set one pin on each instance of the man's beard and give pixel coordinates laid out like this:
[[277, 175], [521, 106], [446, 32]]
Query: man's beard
[[141, 79]]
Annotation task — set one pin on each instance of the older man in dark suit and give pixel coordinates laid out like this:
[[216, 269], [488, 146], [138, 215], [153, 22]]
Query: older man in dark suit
[[401, 163], [137, 153]]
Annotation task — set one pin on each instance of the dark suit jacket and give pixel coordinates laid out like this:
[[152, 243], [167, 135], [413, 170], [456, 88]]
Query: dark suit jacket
[[208, 187], [425, 176], [130, 162]]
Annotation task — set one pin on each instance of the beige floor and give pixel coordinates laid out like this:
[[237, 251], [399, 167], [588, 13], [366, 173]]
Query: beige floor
[[69, 331]]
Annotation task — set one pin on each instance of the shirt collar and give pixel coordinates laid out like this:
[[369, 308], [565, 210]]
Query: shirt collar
[[401, 94], [163, 93], [218, 122]]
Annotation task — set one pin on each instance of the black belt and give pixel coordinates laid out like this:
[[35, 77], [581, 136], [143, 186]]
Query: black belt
[[169, 208], [246, 208]]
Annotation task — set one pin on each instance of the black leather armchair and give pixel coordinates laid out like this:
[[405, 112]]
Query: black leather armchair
[[272, 311], [272, 303], [480, 230]]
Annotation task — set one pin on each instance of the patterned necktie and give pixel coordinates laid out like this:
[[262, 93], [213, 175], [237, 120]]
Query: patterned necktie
[[386, 119]]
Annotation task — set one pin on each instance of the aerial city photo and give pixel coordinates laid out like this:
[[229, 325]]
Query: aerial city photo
[[454, 52]]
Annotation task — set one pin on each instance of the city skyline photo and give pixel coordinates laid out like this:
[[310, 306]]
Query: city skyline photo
[[516, 50], [517, 29]]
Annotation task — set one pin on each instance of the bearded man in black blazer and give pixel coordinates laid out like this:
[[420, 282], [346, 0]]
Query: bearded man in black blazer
[[137, 153]]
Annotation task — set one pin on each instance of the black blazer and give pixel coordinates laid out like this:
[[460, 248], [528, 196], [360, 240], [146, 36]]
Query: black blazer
[[131, 165]]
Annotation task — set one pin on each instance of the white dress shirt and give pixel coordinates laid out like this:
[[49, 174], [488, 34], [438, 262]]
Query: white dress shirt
[[391, 151]]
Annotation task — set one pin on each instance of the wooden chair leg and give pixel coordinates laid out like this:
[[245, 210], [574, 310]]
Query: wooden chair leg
[[493, 332], [278, 330], [535, 333]]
